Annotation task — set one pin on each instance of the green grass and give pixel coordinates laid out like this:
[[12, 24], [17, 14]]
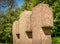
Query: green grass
[[6, 43], [56, 40]]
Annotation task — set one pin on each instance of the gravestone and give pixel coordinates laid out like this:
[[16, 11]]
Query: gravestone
[[41, 22], [33, 27], [15, 31], [21, 28], [24, 27]]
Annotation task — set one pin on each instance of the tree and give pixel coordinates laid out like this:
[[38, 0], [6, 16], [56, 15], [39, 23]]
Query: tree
[[6, 23], [6, 4]]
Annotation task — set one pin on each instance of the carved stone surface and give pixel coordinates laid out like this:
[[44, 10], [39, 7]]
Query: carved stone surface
[[20, 28], [33, 27], [15, 31], [41, 21], [24, 25]]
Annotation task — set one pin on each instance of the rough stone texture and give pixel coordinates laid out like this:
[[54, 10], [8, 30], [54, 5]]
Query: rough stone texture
[[41, 21], [20, 27], [15, 31], [24, 25], [38, 21]]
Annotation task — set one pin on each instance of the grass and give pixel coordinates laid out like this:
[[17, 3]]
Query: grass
[[55, 40]]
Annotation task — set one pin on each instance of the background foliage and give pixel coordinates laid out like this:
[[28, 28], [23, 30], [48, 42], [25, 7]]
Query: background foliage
[[6, 21]]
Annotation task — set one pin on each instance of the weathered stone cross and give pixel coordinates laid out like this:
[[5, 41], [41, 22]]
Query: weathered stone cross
[[33, 27]]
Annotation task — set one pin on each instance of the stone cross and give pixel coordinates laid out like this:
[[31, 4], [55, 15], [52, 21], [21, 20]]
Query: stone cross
[[33, 27]]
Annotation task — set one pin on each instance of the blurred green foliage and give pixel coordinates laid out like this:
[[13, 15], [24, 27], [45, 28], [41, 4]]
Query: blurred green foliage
[[7, 20], [55, 40], [6, 23]]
